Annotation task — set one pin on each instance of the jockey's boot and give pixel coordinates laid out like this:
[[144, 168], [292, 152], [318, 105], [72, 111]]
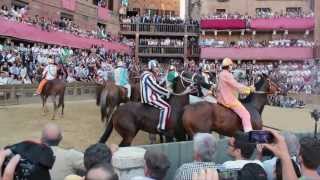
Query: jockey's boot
[[163, 132]]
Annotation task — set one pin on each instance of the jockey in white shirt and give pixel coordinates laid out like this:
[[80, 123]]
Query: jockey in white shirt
[[151, 93], [121, 77], [49, 73]]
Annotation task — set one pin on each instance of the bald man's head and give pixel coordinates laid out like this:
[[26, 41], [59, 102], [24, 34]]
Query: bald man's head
[[51, 135]]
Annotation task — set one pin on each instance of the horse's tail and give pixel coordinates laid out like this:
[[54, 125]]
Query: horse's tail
[[103, 104], [107, 132], [99, 90]]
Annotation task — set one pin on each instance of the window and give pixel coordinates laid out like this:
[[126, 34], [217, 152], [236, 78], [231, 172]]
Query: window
[[151, 12], [110, 5], [220, 11], [294, 10], [19, 4], [67, 16], [137, 10], [263, 11]]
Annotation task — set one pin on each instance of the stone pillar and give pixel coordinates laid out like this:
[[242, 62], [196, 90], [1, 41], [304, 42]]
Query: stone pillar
[[185, 48], [128, 162], [136, 47]]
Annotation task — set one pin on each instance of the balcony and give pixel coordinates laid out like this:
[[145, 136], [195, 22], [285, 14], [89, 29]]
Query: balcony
[[290, 53], [161, 51], [282, 23], [222, 24], [159, 29]]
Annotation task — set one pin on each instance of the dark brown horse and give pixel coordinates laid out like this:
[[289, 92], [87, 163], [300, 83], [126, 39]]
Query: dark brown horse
[[207, 117], [131, 117], [109, 97], [53, 88]]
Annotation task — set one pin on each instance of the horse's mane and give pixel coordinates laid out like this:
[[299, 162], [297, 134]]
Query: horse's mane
[[258, 86]]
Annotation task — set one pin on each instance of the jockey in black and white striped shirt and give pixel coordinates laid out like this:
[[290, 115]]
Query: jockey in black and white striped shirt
[[151, 93]]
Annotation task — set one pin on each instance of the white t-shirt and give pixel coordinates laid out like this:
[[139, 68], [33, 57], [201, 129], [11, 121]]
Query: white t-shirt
[[238, 164]]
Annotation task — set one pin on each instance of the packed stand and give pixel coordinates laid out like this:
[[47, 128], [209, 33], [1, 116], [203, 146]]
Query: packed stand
[[260, 13], [157, 19], [251, 43], [48, 24], [23, 64], [162, 42]]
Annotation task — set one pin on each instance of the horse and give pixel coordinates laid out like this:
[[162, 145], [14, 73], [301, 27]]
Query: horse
[[208, 117], [53, 88], [131, 117], [109, 97]]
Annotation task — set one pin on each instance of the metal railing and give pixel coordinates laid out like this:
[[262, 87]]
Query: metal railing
[[149, 27]]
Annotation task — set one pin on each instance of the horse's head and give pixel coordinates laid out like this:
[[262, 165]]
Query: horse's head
[[266, 85], [187, 80]]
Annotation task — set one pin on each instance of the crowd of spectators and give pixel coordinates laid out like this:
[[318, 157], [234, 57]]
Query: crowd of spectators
[[260, 13], [251, 43], [162, 42], [286, 157], [23, 63], [48, 24], [157, 19]]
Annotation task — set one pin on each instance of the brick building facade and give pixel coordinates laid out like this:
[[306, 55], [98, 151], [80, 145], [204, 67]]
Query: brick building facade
[[199, 8], [85, 14], [160, 7]]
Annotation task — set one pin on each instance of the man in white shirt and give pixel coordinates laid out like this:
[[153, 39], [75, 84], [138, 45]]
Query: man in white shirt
[[241, 152], [3, 78]]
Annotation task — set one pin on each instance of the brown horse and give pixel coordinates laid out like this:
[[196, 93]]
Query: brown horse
[[53, 88], [109, 97], [207, 117], [131, 117]]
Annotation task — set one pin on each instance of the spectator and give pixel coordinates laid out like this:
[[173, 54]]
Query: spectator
[[309, 158], [101, 172], [156, 166], [204, 147], [67, 161], [241, 152], [97, 154], [293, 148], [252, 171], [8, 173]]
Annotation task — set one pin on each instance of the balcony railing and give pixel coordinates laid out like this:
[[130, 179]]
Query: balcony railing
[[159, 28], [194, 51], [160, 50], [290, 53]]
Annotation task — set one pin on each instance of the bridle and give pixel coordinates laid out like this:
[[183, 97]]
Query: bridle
[[270, 84], [188, 88]]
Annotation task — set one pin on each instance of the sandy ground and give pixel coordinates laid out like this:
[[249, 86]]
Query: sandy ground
[[82, 126]]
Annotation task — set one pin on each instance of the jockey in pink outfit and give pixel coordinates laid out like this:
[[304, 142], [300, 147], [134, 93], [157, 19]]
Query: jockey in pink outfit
[[228, 87]]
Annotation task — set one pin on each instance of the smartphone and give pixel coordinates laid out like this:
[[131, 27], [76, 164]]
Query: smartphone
[[261, 137]]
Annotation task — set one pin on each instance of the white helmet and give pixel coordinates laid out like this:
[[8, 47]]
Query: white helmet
[[153, 64]]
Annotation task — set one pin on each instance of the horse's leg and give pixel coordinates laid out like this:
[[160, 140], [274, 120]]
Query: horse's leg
[[44, 105], [54, 107], [126, 141], [61, 103]]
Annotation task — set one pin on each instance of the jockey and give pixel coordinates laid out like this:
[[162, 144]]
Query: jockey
[[121, 77], [205, 73], [227, 87], [49, 73], [172, 74], [151, 93]]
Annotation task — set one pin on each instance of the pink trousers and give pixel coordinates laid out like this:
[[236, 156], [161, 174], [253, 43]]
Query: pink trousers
[[245, 117]]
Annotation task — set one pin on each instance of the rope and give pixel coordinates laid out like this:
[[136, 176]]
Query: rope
[[272, 128]]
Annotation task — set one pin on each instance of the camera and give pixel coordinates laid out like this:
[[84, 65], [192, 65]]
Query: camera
[[260, 137], [23, 170], [315, 114]]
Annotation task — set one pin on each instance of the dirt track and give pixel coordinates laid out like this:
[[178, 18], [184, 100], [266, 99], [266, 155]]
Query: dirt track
[[82, 125]]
